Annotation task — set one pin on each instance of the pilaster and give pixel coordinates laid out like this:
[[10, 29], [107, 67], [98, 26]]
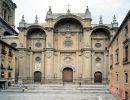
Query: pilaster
[[43, 65], [49, 38], [86, 65], [49, 69], [86, 38]]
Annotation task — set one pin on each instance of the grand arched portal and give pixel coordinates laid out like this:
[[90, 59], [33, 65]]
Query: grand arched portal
[[98, 77], [37, 76], [68, 75]]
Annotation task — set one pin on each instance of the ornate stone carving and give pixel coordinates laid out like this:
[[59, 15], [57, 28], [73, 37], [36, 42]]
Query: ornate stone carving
[[86, 54], [48, 54], [68, 35], [98, 59], [67, 59], [68, 43], [37, 59], [87, 45], [98, 45], [38, 44], [37, 66]]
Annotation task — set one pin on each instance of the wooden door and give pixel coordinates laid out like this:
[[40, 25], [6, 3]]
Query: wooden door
[[37, 76], [98, 77], [67, 75]]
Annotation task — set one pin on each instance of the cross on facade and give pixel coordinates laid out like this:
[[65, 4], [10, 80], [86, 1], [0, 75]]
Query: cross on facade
[[68, 5]]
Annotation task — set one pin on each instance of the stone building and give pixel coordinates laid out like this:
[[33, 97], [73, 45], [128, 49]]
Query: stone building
[[119, 53], [7, 52], [67, 48], [7, 64]]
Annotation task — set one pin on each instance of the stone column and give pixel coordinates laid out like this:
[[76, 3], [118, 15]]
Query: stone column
[[49, 71], [92, 66], [22, 65], [49, 38], [86, 65], [86, 38], [22, 38], [31, 66], [59, 66], [43, 66], [106, 66]]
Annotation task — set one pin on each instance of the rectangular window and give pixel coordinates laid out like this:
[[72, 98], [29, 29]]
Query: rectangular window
[[10, 52], [126, 54], [111, 59], [9, 75], [126, 51], [117, 77], [2, 67], [126, 77], [3, 49], [5, 14], [126, 29], [117, 56], [2, 74]]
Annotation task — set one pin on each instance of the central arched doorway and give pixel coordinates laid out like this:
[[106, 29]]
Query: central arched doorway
[[37, 76], [98, 77], [67, 75]]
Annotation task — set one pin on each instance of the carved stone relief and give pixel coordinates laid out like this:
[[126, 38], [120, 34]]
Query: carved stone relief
[[37, 66], [48, 54], [67, 59], [68, 43], [86, 54]]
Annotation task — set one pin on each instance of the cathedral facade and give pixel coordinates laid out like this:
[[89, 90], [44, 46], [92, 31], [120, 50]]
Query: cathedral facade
[[66, 48]]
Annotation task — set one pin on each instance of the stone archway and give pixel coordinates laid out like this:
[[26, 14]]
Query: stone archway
[[98, 77], [37, 76], [67, 74]]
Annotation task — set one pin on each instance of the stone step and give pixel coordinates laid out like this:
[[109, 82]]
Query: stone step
[[60, 85], [58, 91]]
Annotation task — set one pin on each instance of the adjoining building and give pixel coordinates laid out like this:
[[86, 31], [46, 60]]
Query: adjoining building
[[7, 65], [7, 52], [119, 54]]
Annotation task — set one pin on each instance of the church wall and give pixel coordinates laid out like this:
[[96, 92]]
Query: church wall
[[68, 47]]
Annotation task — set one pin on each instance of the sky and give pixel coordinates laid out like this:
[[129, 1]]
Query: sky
[[105, 8]]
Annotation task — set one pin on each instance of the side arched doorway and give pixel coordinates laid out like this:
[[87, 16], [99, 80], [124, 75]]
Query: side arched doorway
[[67, 75], [98, 77], [37, 76]]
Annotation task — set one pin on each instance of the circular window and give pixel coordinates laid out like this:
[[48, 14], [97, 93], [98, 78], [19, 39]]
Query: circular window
[[38, 44], [68, 43], [98, 45], [38, 59], [98, 59], [13, 44]]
